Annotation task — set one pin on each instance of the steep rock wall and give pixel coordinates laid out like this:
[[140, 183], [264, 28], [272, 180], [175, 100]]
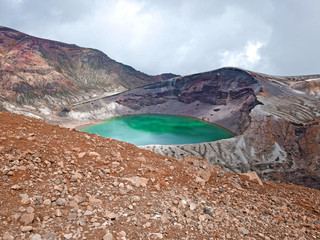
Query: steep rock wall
[[224, 97]]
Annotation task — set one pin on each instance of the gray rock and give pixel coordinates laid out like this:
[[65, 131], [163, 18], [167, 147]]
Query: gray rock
[[24, 196], [50, 236], [244, 230], [38, 199], [68, 236], [35, 237], [88, 213], [108, 236], [135, 199], [72, 216], [61, 202]]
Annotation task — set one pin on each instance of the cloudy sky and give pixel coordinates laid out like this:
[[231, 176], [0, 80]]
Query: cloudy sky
[[280, 37]]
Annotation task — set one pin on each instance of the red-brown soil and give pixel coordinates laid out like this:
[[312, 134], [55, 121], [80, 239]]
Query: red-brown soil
[[58, 183]]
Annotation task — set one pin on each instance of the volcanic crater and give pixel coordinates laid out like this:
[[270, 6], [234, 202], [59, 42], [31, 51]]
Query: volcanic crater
[[251, 105], [275, 119]]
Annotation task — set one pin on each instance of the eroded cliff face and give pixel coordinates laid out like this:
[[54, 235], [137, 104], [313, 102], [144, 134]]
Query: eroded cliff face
[[224, 96], [282, 141], [275, 148]]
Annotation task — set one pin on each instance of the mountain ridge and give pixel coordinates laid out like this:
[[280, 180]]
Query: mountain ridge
[[31, 68]]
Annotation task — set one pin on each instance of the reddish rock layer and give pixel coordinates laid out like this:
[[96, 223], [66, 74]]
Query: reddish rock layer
[[32, 68]]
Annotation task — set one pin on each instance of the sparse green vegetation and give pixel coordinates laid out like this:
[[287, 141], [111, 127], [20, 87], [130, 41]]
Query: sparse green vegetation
[[2, 108]]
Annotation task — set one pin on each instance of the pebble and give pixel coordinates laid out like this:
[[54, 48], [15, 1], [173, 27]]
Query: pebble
[[202, 218], [27, 218], [94, 154], [122, 234], [193, 206], [75, 177], [38, 199], [30, 209], [67, 236], [58, 213], [88, 213], [35, 237], [95, 201], [47, 202], [110, 215], [72, 216], [61, 202], [137, 181], [16, 187], [244, 230], [108, 236], [26, 228], [157, 235], [7, 236], [135, 199], [51, 236], [24, 196]]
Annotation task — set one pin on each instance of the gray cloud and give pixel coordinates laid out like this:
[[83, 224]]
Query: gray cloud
[[184, 37]]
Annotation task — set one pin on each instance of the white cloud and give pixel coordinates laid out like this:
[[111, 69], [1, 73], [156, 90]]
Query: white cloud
[[17, 2], [246, 58], [180, 36]]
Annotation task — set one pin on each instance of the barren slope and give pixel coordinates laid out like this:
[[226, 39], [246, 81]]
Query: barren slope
[[48, 75], [58, 183]]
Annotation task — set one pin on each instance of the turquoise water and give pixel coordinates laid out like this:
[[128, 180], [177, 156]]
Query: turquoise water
[[158, 129]]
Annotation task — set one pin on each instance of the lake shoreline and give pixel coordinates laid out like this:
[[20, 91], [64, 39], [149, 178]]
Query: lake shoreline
[[81, 126], [163, 129]]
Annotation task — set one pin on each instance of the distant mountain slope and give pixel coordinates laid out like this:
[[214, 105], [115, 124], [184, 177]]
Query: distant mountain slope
[[32, 68]]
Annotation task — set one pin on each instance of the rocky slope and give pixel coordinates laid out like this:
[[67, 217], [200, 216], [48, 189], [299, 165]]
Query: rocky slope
[[58, 183], [277, 122], [47, 75]]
